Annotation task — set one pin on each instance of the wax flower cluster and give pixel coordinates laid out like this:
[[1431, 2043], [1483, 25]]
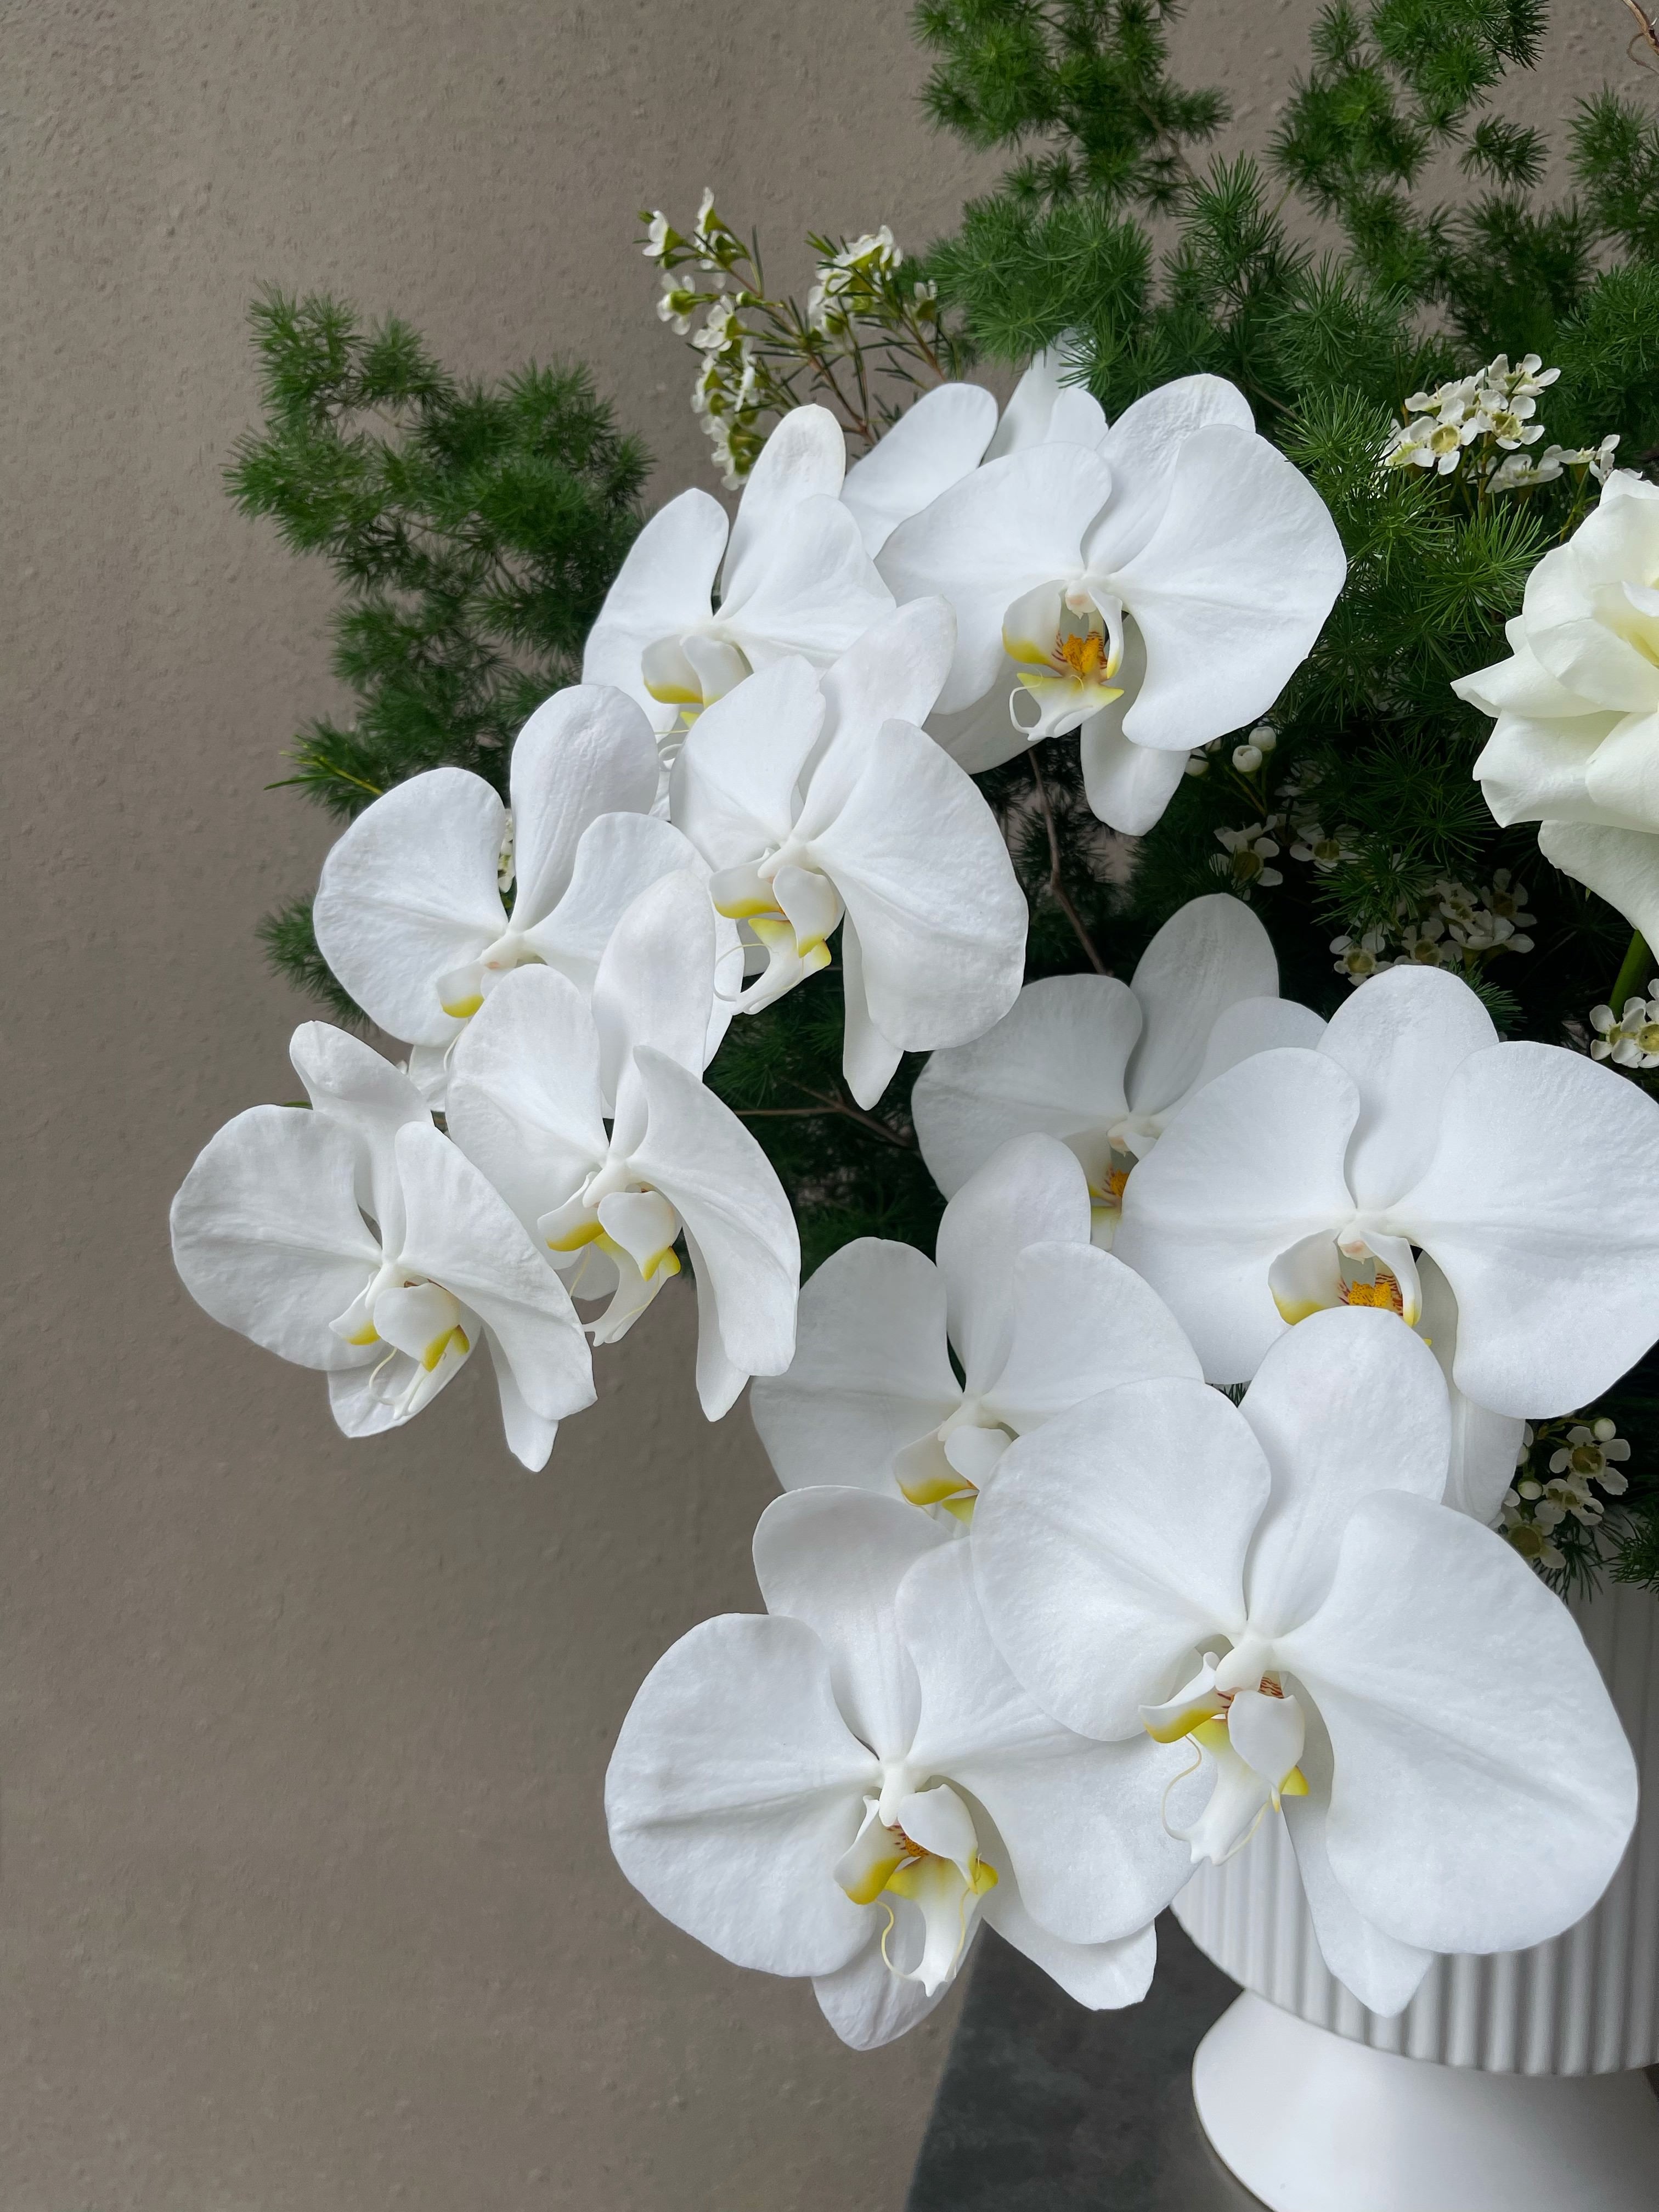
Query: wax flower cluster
[[1177, 1490], [1485, 427], [868, 336]]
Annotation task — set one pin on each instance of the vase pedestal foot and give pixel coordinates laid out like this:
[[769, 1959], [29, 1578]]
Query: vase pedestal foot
[[1312, 2122]]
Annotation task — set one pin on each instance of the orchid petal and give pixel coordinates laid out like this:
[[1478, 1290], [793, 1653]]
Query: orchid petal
[[1527, 1208], [525, 1102], [1348, 1402], [869, 2005], [734, 1789], [1082, 1322], [1094, 1602], [1268, 1732], [462, 1234], [1044, 411], [1210, 954], [530, 1436], [1054, 1064], [870, 1375], [1030, 1191], [1252, 1026], [369, 1401], [892, 672], [922, 868], [933, 445], [1251, 1166], [1449, 1792], [1104, 1977], [409, 893], [1400, 1038], [1014, 524], [1128, 786], [983, 734], [1231, 590], [1141, 449], [733, 787], [704, 1162], [348, 1082], [267, 1236], [869, 1060], [664, 586], [834, 1558], [808, 588], [1078, 1819], [656, 979], [1485, 1446], [1380, 1971], [618, 857], [804, 458], [587, 750]]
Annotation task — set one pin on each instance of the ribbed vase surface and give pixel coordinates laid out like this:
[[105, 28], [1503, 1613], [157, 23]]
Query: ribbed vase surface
[[1586, 2003]]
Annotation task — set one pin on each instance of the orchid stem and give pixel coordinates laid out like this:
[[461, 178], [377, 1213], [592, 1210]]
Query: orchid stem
[[1057, 889], [1627, 983], [828, 1105]]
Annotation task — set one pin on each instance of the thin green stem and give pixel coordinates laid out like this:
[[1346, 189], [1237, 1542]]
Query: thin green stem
[[1636, 968]]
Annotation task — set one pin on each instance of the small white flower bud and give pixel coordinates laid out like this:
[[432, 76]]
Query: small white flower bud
[[1247, 759]]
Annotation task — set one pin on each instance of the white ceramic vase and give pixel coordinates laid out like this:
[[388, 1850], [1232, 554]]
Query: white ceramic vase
[[1511, 2084]]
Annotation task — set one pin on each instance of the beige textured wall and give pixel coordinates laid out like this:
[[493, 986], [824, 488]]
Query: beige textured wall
[[304, 1901]]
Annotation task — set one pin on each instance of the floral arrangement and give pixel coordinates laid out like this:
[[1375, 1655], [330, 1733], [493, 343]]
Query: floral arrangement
[[1087, 874]]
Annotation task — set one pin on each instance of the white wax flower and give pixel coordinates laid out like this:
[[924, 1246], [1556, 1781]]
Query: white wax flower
[[1102, 1064], [1576, 745], [699, 604], [1157, 592], [845, 1786], [592, 1120], [814, 798], [1280, 1585], [356, 1238], [1303, 1179], [409, 913], [1038, 1319]]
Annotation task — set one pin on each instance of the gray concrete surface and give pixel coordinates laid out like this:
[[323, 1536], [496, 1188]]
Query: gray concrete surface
[[305, 1901]]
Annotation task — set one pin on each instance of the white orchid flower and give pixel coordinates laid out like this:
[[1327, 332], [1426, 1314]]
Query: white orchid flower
[[592, 1122], [358, 1239], [1037, 1318], [698, 605], [409, 913], [1156, 593], [817, 801], [1280, 1584], [1576, 746], [1303, 1179], [934, 444], [846, 1786], [1102, 1065]]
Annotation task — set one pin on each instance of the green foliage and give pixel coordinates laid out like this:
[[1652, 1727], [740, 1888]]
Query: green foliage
[[474, 531], [1089, 78]]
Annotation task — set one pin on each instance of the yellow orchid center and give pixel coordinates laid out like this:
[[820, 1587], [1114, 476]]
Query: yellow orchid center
[[1367, 1282], [1066, 658]]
